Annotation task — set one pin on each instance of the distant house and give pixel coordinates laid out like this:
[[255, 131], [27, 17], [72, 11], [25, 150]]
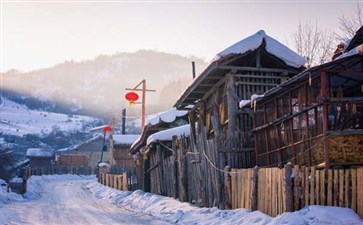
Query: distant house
[[316, 117], [92, 149], [119, 150], [39, 157]]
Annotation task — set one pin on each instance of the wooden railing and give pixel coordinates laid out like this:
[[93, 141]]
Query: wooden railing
[[59, 169], [117, 181], [274, 191]]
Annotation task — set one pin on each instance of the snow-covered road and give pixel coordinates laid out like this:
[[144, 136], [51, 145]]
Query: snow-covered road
[[69, 202]]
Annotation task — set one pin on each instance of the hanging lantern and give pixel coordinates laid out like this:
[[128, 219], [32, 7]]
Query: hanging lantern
[[131, 97], [106, 129]]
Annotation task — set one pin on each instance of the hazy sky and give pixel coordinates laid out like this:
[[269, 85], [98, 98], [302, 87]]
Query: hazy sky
[[43, 33]]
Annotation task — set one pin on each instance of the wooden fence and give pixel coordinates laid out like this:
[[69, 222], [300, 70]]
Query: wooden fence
[[117, 181], [58, 169], [274, 191]]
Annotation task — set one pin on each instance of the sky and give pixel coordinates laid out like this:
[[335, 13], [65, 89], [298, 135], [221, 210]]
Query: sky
[[41, 34]]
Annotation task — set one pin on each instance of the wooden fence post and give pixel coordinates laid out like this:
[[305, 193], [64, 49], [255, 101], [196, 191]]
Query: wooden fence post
[[228, 187], [254, 194], [288, 188], [124, 182], [175, 166]]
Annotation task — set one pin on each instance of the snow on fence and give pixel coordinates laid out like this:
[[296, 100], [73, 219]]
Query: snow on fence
[[58, 169], [117, 181], [274, 191]]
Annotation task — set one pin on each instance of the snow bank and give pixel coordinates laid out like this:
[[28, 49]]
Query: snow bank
[[171, 210]]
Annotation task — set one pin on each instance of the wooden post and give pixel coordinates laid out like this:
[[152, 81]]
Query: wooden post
[[232, 112], [183, 172], [325, 119], [175, 167], [227, 187], [288, 188], [254, 196]]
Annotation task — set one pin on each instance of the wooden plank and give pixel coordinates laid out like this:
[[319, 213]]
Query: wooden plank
[[341, 188], [346, 188], [317, 187], [312, 185], [360, 192], [330, 188], [322, 187], [296, 187], [307, 186], [273, 192], [336, 188], [354, 190]]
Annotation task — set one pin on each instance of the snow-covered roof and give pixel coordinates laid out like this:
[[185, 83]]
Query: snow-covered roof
[[355, 51], [166, 116], [244, 102], [272, 46], [39, 152], [167, 135], [125, 138]]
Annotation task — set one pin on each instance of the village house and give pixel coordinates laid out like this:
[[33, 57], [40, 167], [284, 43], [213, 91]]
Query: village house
[[86, 154], [221, 134], [39, 157], [315, 118], [120, 145]]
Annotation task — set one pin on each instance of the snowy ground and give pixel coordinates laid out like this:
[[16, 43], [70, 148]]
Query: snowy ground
[[70, 199]]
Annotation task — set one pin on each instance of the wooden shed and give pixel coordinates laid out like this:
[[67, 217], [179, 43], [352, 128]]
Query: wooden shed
[[315, 118], [155, 123], [223, 134], [120, 145], [39, 157]]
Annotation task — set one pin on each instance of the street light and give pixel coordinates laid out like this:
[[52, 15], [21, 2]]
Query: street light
[[106, 129]]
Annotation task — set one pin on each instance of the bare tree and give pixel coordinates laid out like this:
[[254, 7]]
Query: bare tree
[[348, 25], [313, 42]]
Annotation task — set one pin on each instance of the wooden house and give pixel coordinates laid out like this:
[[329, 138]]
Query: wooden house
[[162, 167], [155, 123], [223, 134], [91, 150], [39, 157], [120, 145], [315, 118]]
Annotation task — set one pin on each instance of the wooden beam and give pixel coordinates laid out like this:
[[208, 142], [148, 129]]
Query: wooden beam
[[257, 76], [255, 84], [246, 68]]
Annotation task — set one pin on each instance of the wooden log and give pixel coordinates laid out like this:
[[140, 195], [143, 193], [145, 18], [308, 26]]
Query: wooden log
[[346, 188], [341, 188], [360, 192], [296, 187], [307, 185], [354, 190], [312, 186], [336, 188], [330, 188], [322, 187], [228, 187], [288, 188]]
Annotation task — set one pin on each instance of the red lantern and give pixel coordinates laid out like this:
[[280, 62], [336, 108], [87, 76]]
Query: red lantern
[[106, 129], [131, 97]]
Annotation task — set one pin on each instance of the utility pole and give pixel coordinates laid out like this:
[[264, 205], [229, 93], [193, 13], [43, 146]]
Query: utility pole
[[143, 95], [123, 121]]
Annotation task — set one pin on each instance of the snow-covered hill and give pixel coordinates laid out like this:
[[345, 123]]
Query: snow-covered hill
[[19, 120]]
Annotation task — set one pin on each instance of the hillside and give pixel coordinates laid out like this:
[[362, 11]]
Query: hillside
[[97, 87]]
